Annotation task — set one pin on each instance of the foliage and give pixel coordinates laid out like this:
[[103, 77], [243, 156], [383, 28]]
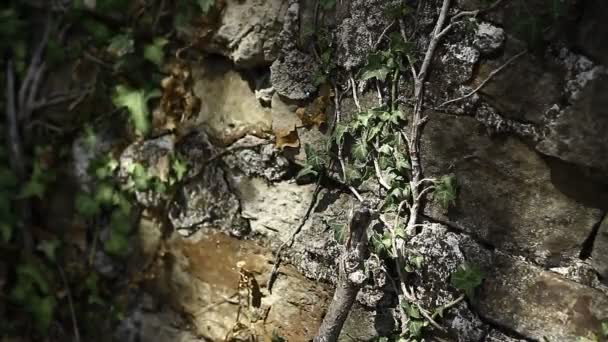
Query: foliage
[[136, 101], [446, 190], [467, 278]]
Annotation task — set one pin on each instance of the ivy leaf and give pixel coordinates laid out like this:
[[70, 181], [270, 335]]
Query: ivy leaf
[[117, 245], [205, 5], [445, 191], [401, 163], [385, 149], [415, 327], [136, 102], [360, 151], [411, 310], [376, 67], [33, 188], [339, 133], [49, 248], [42, 311], [104, 194], [121, 45], [339, 231], [120, 222], [307, 170], [353, 174], [180, 168], [314, 158], [87, 206], [467, 278], [155, 52], [7, 178], [6, 231], [327, 4]]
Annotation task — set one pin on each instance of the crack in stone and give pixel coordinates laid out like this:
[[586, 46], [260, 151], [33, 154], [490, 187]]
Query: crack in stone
[[587, 247]]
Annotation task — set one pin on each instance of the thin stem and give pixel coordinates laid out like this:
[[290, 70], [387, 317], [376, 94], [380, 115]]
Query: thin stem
[[482, 84]]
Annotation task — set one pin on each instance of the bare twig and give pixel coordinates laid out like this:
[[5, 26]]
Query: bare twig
[[483, 83], [383, 34], [355, 97], [379, 175], [350, 278], [70, 303], [14, 139]]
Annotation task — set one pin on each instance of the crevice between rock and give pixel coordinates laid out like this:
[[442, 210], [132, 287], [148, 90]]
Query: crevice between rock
[[587, 247]]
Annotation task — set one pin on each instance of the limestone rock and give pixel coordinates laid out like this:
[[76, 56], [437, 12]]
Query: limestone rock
[[292, 75], [357, 33], [154, 155], [539, 304], [207, 201], [273, 210], [460, 60], [577, 134], [599, 255], [525, 90], [229, 108], [506, 195], [488, 38], [262, 161], [442, 256], [248, 32]]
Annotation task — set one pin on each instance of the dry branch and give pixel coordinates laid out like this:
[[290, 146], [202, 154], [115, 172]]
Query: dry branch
[[350, 278]]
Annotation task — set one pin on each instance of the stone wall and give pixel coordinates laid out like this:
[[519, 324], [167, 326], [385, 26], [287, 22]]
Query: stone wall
[[528, 150]]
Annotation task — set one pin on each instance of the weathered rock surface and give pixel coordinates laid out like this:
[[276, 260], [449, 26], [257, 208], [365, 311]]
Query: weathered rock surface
[[292, 75], [442, 256], [264, 160], [539, 304], [207, 201], [200, 276], [248, 32], [578, 133], [359, 30], [229, 108], [599, 254], [154, 155], [503, 184]]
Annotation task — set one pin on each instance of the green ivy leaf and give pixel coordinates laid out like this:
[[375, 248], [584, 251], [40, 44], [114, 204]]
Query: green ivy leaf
[[339, 133], [314, 158], [117, 245], [42, 310], [339, 231], [180, 168], [6, 231], [446, 190], [205, 5], [376, 67], [154, 52], [411, 310], [307, 170], [7, 178], [87, 206], [136, 102], [360, 151], [49, 248], [353, 174], [120, 222], [121, 45], [467, 278], [327, 4], [415, 327]]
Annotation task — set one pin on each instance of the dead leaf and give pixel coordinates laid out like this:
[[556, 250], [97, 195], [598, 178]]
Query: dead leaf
[[314, 114], [286, 137]]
